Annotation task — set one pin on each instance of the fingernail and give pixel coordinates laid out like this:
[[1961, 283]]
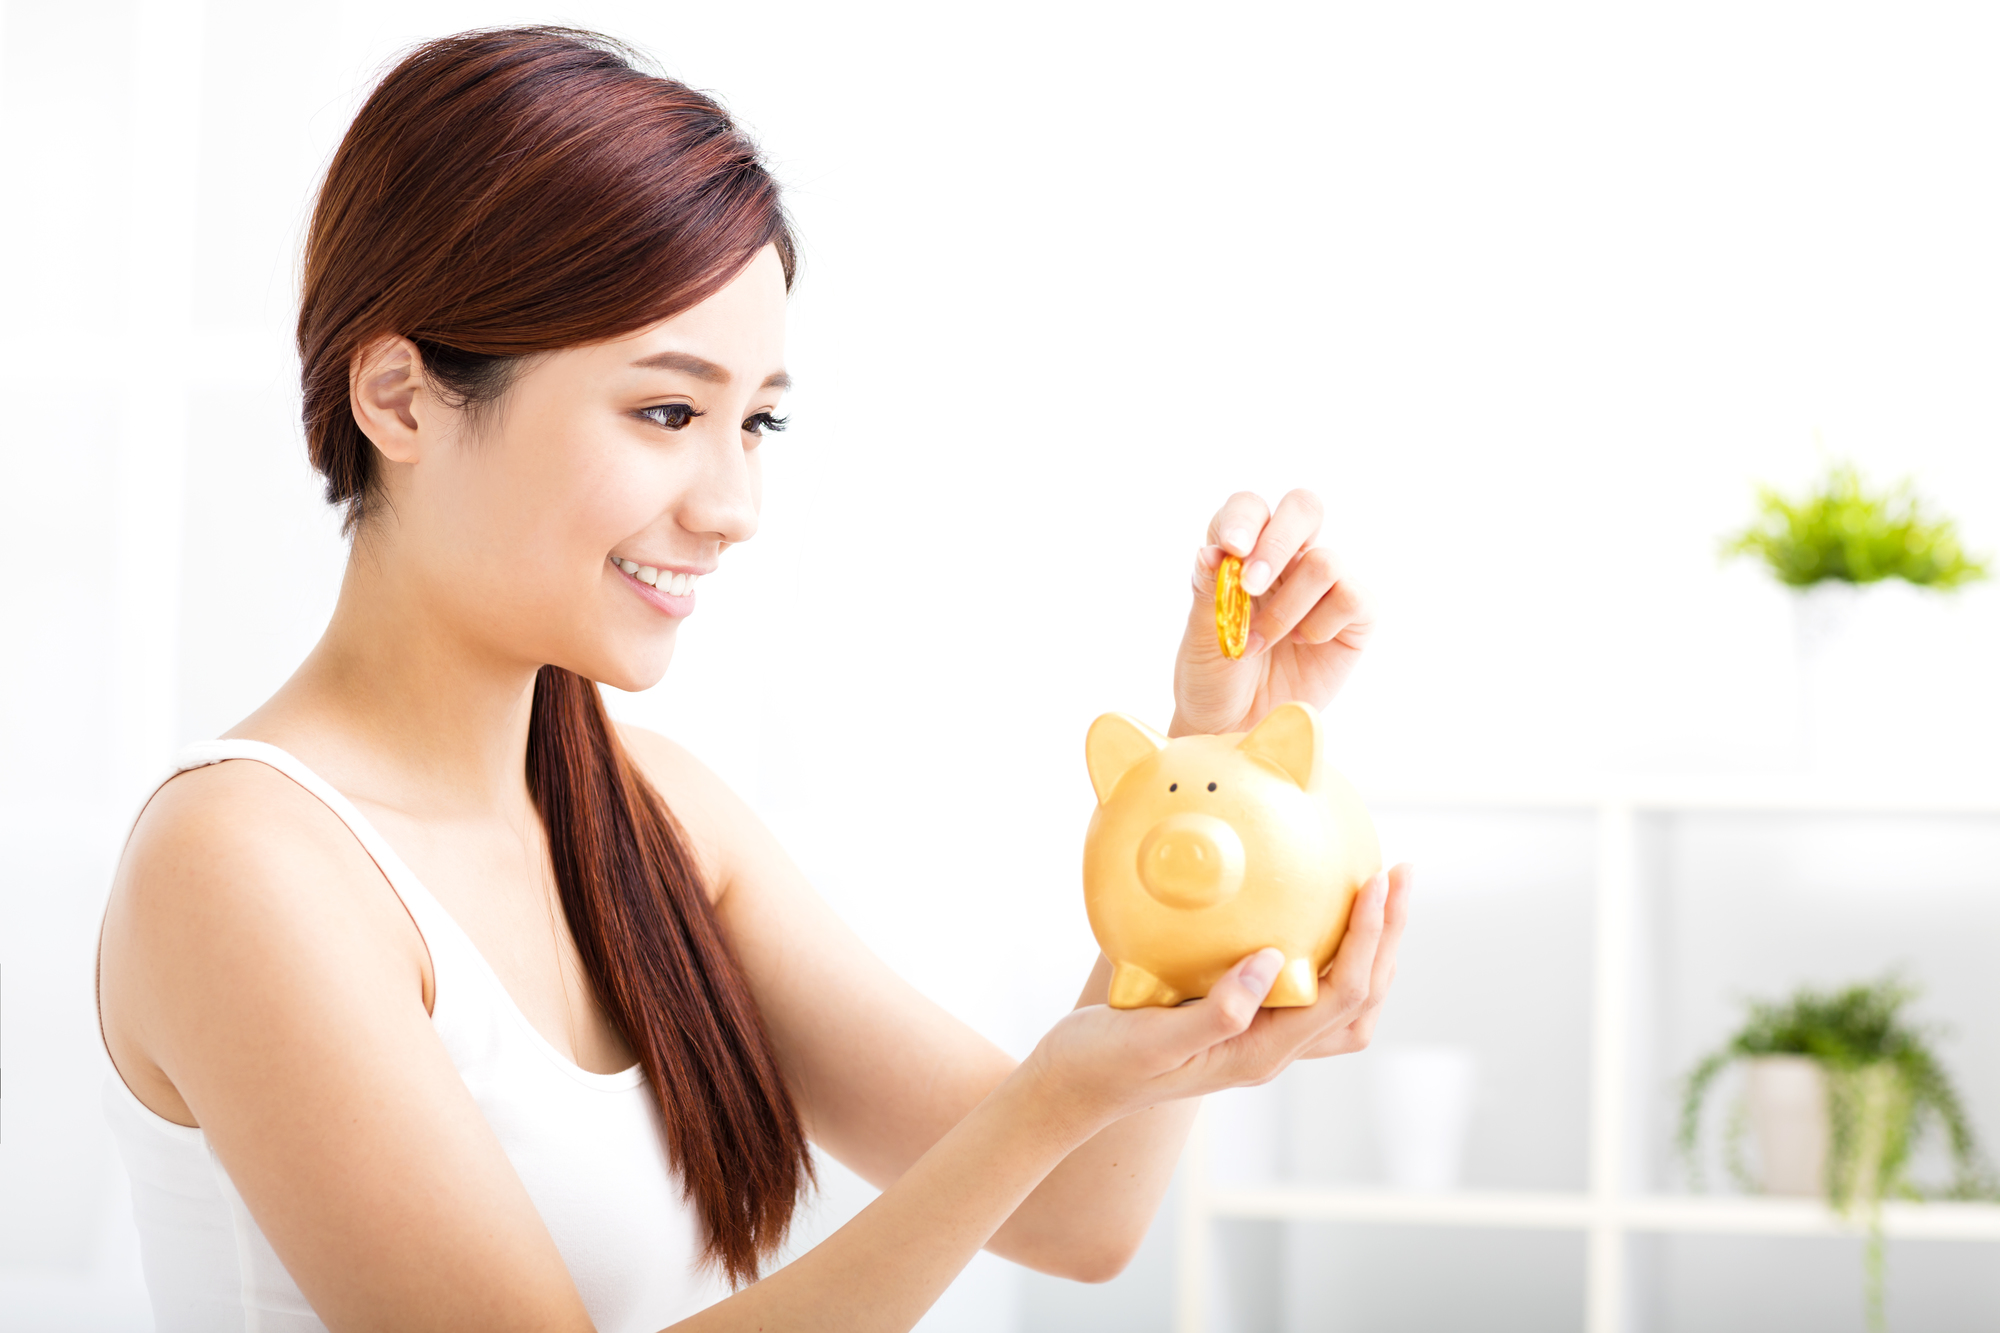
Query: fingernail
[[1253, 644], [1258, 974], [1238, 541], [1256, 577]]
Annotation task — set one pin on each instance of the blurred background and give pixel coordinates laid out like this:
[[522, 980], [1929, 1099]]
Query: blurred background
[[1533, 296]]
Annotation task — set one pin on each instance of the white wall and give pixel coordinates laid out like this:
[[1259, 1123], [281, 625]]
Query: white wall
[[1531, 294]]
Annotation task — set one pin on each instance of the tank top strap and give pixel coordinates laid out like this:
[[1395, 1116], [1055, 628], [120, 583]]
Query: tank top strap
[[433, 922]]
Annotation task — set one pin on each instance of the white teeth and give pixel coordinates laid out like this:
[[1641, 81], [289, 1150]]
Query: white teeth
[[668, 581]]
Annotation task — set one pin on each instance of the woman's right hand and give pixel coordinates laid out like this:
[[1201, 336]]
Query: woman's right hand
[[1108, 1063]]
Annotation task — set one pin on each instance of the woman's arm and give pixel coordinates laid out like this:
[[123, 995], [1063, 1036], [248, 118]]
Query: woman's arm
[[881, 1271], [882, 1073]]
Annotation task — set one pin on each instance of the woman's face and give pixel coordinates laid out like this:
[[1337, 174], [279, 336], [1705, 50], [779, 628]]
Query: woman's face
[[568, 522]]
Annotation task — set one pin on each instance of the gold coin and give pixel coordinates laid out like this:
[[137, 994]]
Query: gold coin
[[1232, 608]]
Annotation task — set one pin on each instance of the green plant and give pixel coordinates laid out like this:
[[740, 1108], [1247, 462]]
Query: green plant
[[1841, 530], [1885, 1089]]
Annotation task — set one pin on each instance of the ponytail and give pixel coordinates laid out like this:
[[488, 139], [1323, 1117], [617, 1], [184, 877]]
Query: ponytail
[[651, 946]]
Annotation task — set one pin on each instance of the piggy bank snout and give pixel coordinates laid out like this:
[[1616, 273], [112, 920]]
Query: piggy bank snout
[[1191, 860]]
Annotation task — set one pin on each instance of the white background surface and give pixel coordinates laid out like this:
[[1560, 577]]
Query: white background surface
[[1530, 294]]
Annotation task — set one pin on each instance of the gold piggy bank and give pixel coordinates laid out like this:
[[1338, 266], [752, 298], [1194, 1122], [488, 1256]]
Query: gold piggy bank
[[1208, 848]]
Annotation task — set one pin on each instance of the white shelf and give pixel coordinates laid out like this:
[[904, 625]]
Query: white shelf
[[1607, 1213], [1553, 1211], [1751, 793]]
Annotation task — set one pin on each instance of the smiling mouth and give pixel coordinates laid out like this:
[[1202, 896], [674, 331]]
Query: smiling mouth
[[663, 580]]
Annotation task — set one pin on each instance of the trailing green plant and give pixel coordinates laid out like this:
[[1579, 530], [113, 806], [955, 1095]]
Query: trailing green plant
[[1841, 530], [1886, 1089]]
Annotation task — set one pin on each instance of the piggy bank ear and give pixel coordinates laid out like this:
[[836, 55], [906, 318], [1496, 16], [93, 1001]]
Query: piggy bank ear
[[1115, 746], [1289, 738]]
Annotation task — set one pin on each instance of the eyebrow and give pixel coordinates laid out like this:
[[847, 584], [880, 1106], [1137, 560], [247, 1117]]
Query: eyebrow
[[703, 369]]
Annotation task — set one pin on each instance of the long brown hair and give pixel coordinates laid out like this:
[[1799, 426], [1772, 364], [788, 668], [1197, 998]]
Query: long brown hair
[[520, 190]]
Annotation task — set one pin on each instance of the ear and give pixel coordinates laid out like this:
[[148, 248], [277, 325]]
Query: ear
[[1289, 738], [383, 385], [1115, 746]]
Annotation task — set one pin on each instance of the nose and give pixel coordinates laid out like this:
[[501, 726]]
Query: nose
[[1191, 860], [724, 496]]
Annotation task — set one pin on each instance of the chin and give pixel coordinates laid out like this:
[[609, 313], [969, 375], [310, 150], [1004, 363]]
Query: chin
[[632, 671]]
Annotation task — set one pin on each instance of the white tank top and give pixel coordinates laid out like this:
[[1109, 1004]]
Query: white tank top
[[588, 1147]]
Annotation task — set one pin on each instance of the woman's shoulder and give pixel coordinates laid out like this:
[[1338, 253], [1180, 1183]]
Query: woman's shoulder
[[666, 763], [720, 824], [237, 882], [236, 818], [235, 852]]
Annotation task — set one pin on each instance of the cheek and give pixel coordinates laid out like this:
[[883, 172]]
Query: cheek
[[552, 502]]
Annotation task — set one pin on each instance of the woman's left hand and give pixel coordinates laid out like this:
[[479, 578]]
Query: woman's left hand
[[1308, 624]]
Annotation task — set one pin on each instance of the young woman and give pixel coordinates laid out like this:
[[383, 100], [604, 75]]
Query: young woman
[[436, 1000]]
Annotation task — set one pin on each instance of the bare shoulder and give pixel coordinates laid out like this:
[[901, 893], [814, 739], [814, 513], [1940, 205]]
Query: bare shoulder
[[233, 809], [664, 762], [724, 829], [239, 837], [233, 874]]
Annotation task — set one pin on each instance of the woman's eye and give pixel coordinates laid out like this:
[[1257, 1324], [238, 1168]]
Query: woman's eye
[[764, 423], [673, 416]]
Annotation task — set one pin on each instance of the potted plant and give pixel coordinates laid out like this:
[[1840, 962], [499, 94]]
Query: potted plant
[[1833, 541], [1843, 1076], [1841, 532]]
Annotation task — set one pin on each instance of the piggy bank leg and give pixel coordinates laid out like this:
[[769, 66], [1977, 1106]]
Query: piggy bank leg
[[1297, 985], [1133, 987]]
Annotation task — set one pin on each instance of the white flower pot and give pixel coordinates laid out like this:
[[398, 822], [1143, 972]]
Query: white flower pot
[[1789, 1129], [1823, 617], [1821, 614]]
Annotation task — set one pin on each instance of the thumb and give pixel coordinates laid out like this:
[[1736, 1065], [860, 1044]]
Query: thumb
[[1201, 612], [1207, 559], [1232, 1003]]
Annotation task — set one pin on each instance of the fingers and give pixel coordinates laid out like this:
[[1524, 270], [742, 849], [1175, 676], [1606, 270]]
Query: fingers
[[1232, 1003], [1313, 580], [1342, 1020], [1353, 967], [1298, 586], [1345, 993], [1237, 524], [1351, 1032], [1346, 1039], [1292, 527], [1395, 915], [1227, 1011], [1207, 560], [1342, 613]]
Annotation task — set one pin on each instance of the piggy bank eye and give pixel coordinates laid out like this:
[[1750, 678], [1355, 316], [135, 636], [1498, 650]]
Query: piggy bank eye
[[1211, 786], [1173, 786]]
